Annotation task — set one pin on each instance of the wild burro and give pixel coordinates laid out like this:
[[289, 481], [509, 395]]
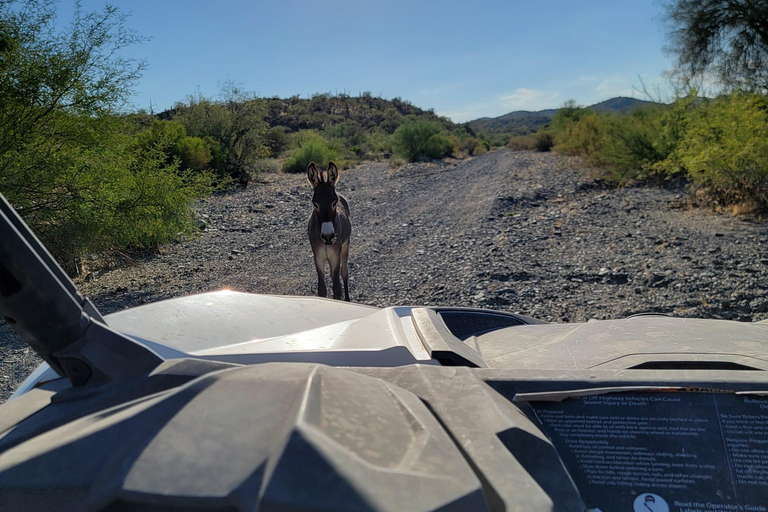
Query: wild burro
[[329, 229]]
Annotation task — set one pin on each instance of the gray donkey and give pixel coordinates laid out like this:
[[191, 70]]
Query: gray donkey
[[329, 229]]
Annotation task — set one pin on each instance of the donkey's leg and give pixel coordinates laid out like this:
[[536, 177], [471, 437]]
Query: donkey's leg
[[322, 291], [334, 261], [345, 269]]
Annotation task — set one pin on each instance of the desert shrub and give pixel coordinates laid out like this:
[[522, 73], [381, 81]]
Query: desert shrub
[[455, 141], [194, 154], [635, 146], [266, 165], [351, 133], [720, 145], [277, 140], [522, 143], [309, 147], [378, 142], [420, 140], [472, 146], [166, 132], [396, 161], [149, 204], [581, 137], [101, 194], [235, 121], [544, 141], [191, 153], [68, 162], [541, 141], [480, 149], [566, 116], [464, 145], [438, 146], [498, 140], [301, 137], [724, 149], [576, 130]]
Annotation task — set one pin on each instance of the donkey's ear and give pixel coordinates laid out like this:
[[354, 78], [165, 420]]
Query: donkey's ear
[[333, 173], [313, 175]]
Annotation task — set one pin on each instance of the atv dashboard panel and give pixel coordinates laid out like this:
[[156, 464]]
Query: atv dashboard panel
[[303, 436]]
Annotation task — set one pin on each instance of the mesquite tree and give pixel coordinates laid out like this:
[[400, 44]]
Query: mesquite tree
[[726, 40]]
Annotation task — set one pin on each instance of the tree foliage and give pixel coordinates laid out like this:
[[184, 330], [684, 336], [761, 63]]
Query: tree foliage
[[727, 38], [46, 75], [67, 159], [235, 121]]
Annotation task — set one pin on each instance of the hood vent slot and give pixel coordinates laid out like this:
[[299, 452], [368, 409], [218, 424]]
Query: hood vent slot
[[692, 365]]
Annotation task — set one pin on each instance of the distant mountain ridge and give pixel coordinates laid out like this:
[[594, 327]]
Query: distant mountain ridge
[[620, 105], [523, 121]]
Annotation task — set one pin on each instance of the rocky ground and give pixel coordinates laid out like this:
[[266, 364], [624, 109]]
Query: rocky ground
[[523, 232]]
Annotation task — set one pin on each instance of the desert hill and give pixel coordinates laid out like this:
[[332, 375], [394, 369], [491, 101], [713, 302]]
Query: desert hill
[[523, 121]]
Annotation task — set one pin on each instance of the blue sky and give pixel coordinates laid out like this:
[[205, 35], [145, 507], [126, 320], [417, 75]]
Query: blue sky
[[464, 59]]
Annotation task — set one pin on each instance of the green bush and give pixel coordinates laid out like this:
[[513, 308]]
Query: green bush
[[582, 136], [472, 146], [419, 140], [378, 142], [236, 122], [480, 149], [194, 154], [101, 193], [396, 161], [635, 146], [522, 143], [498, 140], [720, 145], [568, 115], [277, 140], [724, 149], [541, 141], [191, 153], [544, 141], [301, 137], [150, 204], [68, 160], [310, 147]]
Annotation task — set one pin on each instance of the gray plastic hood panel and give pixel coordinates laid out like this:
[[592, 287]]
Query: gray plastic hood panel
[[271, 437], [625, 343]]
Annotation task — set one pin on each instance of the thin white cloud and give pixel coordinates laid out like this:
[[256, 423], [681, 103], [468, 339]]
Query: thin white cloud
[[530, 99], [613, 87]]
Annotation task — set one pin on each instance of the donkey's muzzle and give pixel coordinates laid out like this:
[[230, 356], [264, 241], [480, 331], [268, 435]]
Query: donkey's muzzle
[[327, 233]]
